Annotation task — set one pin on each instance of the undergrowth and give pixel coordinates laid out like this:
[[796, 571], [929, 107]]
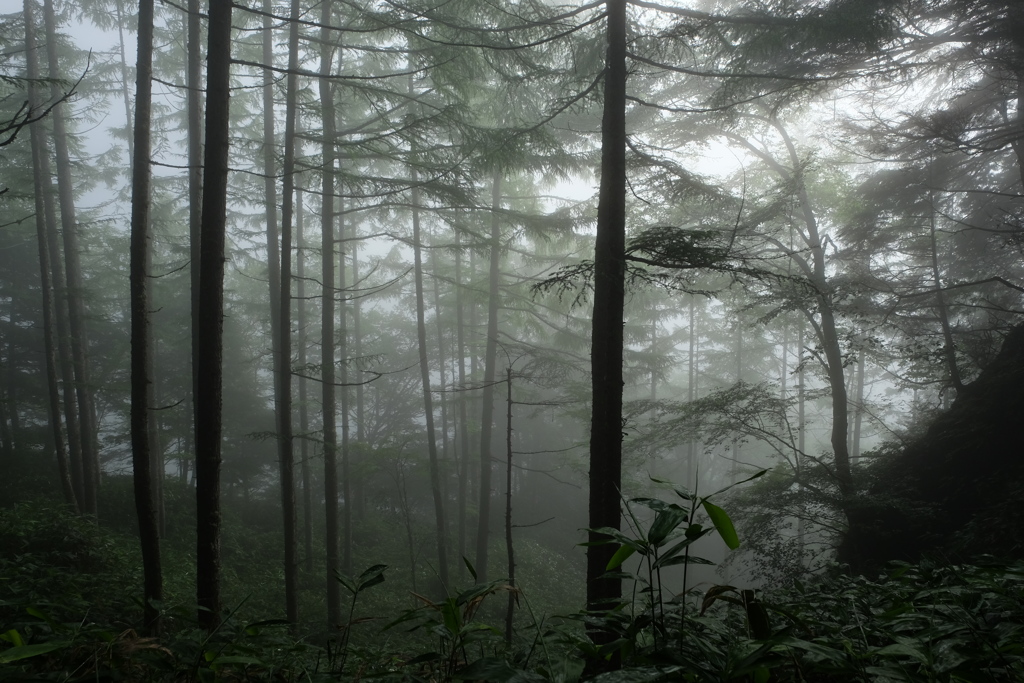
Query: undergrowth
[[68, 613]]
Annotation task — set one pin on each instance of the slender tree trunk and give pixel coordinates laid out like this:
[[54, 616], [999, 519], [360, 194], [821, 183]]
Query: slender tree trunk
[[60, 313], [463, 416], [490, 370], [76, 304], [301, 319], [509, 549], [949, 348], [359, 492], [441, 356], [858, 408], [607, 342], [38, 155], [208, 400], [346, 477], [141, 332], [194, 107], [327, 313], [428, 404], [283, 370], [691, 391]]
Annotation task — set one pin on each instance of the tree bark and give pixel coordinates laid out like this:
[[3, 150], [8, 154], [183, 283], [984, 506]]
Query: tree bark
[[490, 371], [463, 413], [193, 104], [208, 400], [327, 313], [509, 548], [76, 304], [302, 320], [283, 357], [607, 341], [428, 404], [41, 183], [141, 342]]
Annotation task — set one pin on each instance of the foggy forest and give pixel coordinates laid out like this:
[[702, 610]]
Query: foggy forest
[[509, 340]]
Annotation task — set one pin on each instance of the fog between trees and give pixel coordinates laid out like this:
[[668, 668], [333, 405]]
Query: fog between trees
[[807, 219]]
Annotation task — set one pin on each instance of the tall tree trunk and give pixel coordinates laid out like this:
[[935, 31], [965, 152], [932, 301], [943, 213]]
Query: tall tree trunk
[[283, 357], [194, 107], [441, 357], [302, 321], [60, 314], [509, 548], [346, 477], [327, 314], [949, 347], [606, 340], [210, 354], [428, 403], [691, 391], [39, 153], [490, 370], [825, 326], [141, 332], [858, 408], [463, 416], [76, 304], [358, 490]]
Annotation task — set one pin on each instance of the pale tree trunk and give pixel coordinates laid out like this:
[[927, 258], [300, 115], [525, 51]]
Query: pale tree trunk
[[60, 314], [283, 357], [76, 304], [210, 353], [327, 314], [441, 356], [141, 330], [39, 153], [949, 348], [490, 370], [509, 548], [428, 404], [346, 477], [301, 320], [463, 413], [607, 340]]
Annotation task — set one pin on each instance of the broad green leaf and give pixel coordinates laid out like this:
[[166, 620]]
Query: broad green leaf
[[620, 556], [665, 523], [721, 520], [371, 577], [13, 637], [26, 651]]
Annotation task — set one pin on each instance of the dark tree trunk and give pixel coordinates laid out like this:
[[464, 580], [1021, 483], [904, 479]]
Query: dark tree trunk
[[283, 357], [211, 315], [39, 153], [193, 103], [606, 353], [76, 304], [141, 361], [327, 315], [483, 528]]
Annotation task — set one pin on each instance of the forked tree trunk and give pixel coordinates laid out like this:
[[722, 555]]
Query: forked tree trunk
[[141, 332], [211, 316]]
